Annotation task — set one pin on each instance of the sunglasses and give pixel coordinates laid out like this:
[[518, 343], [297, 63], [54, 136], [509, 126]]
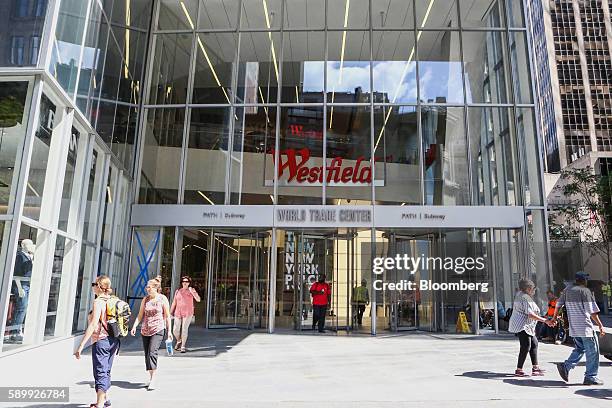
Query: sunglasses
[[185, 281], [94, 284]]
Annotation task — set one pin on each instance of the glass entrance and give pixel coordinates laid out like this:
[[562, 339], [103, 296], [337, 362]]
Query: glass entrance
[[238, 271], [304, 256]]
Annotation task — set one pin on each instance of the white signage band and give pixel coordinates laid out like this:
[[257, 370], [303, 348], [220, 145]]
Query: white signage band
[[328, 216]]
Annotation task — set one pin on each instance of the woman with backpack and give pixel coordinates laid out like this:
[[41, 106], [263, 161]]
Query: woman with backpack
[[182, 309], [104, 346], [154, 314]]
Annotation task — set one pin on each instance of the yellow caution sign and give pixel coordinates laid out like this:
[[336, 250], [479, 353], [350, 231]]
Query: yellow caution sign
[[463, 326]]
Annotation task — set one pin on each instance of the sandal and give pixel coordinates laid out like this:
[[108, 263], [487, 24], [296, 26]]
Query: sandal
[[520, 373], [537, 372]]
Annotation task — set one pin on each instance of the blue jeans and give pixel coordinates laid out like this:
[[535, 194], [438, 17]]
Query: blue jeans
[[582, 346], [102, 355], [21, 306]]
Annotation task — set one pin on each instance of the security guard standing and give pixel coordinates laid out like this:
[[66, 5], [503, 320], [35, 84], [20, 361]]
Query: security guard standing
[[361, 298]]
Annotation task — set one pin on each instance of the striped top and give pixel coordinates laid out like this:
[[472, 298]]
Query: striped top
[[520, 320], [580, 305]]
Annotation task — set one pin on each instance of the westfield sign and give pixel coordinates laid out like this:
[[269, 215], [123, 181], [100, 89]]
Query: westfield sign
[[294, 168]]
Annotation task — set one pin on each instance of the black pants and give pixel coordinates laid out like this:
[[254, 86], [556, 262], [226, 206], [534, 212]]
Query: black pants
[[318, 316], [360, 311], [529, 345], [151, 348]]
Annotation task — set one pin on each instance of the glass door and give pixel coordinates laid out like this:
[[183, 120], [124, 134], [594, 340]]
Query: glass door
[[239, 269], [403, 305]]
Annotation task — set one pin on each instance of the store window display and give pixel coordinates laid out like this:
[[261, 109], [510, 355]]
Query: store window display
[[20, 290]]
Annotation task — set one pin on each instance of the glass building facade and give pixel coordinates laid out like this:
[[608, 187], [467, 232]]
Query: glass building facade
[[255, 144]]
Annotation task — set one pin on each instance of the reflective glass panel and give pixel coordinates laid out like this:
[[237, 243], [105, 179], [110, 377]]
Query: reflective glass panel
[[58, 288], [109, 206], [304, 14], [436, 14], [207, 155], [65, 54], [440, 67], [26, 288], [21, 20], [177, 14], [218, 14], [251, 161], [348, 67], [482, 13], [40, 157], [303, 65], [300, 173], [84, 291], [444, 156], [530, 159], [486, 67], [348, 155], [396, 155], [257, 14], [348, 14], [521, 75], [215, 55], [514, 9], [392, 13], [494, 156], [258, 70], [394, 67], [170, 68], [13, 124], [162, 156], [72, 181]]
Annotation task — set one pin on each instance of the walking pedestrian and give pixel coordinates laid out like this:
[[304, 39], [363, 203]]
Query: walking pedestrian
[[154, 314], [361, 299], [182, 311], [581, 310], [103, 347], [525, 315], [321, 297]]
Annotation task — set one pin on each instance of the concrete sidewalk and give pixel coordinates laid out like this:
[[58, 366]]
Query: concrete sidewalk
[[232, 368]]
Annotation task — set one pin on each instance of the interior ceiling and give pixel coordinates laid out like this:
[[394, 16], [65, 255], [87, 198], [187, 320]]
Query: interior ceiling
[[309, 13], [309, 46]]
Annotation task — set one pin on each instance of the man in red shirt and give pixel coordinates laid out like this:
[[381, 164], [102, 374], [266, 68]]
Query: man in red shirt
[[321, 297]]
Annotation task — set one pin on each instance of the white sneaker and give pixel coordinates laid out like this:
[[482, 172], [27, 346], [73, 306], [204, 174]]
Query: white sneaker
[[151, 385]]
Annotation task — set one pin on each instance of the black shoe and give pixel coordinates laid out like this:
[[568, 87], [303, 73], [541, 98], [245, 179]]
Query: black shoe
[[592, 381], [321, 331], [563, 371]]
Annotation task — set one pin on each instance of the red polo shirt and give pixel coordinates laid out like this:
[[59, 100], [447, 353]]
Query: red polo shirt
[[320, 299]]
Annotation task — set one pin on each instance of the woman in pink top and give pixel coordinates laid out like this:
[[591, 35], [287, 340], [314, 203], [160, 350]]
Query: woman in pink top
[[182, 310], [103, 347], [154, 314]]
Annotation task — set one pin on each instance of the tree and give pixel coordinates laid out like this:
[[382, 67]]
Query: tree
[[585, 212]]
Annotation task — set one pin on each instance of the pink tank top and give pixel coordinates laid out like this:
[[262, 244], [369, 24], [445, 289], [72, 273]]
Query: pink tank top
[[153, 316], [101, 333]]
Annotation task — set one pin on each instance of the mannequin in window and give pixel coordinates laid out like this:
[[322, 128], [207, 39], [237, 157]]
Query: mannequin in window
[[20, 289]]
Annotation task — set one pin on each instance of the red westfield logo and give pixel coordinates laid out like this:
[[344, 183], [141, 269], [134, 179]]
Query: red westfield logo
[[296, 162]]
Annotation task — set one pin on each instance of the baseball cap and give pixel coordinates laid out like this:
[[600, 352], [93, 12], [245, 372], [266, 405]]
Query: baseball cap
[[582, 275]]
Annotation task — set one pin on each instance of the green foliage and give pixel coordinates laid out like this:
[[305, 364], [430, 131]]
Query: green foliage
[[11, 112], [585, 212]]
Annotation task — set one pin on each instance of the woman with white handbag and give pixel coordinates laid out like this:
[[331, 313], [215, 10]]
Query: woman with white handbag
[[182, 310]]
